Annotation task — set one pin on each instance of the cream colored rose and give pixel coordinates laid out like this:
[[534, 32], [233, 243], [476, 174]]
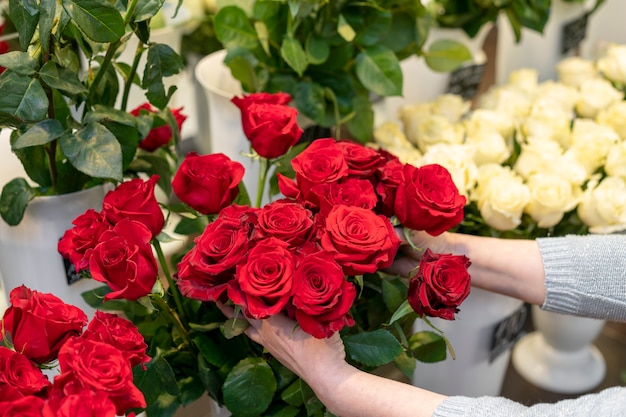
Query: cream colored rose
[[563, 95], [614, 116], [595, 95], [412, 116], [458, 160], [450, 106], [551, 196], [615, 164], [548, 120], [482, 119], [502, 202], [525, 79], [613, 64], [536, 156], [506, 99], [603, 207], [591, 142], [390, 137], [572, 71], [435, 129], [486, 173], [490, 147]]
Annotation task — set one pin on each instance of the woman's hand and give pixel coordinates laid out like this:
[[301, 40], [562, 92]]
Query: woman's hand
[[409, 255]]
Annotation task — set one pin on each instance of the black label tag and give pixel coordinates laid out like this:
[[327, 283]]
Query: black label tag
[[466, 80], [70, 272], [507, 332], [573, 33]]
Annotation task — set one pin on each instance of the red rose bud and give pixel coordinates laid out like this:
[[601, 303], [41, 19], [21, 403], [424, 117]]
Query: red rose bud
[[207, 183], [271, 128], [243, 103], [440, 285], [135, 200], [83, 236], [124, 261], [360, 240], [39, 323], [428, 200], [161, 135], [323, 297]]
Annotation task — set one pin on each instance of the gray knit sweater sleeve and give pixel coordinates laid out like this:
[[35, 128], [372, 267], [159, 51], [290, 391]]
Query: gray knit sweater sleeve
[[585, 276]]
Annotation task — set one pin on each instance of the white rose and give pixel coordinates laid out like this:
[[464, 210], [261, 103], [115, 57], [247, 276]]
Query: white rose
[[525, 79], [591, 142], [450, 106], [483, 119], [486, 173], [613, 64], [412, 116], [564, 95], [574, 70], [390, 135], [548, 120], [506, 99], [614, 116], [435, 129], [596, 94], [490, 146], [603, 207], [569, 169], [502, 202], [615, 164], [458, 160], [536, 156], [551, 196]]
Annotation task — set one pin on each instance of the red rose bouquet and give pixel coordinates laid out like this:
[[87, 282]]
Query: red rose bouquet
[[316, 253], [51, 365]]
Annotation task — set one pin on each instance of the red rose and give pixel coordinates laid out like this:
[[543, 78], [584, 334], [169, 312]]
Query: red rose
[[360, 240], [321, 162], [272, 129], [264, 284], [24, 407], [362, 161], [206, 269], [208, 183], [285, 220], [440, 285], [135, 200], [84, 235], [161, 135], [40, 323], [120, 333], [322, 295], [21, 373], [85, 403], [428, 200], [390, 177], [96, 366], [124, 261], [348, 192]]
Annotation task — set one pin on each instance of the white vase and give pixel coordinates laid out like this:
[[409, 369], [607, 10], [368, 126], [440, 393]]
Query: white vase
[[28, 251], [560, 355], [422, 84], [472, 335], [540, 51]]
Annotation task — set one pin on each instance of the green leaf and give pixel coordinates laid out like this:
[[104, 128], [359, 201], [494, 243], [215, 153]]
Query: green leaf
[[403, 310], [24, 15], [101, 113], [345, 30], [233, 29], [158, 384], [47, 12], [394, 293], [94, 150], [147, 9], [378, 69], [156, 164], [317, 49], [428, 346], [249, 388], [293, 53], [60, 78], [16, 194], [22, 97], [19, 62], [309, 100], [234, 327], [99, 20], [373, 348], [210, 351], [446, 55], [162, 61], [39, 134], [405, 363], [361, 126]]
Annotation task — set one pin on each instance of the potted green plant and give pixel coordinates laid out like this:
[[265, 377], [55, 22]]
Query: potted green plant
[[334, 57], [65, 94]]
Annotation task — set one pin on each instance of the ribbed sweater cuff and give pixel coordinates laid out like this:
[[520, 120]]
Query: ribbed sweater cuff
[[560, 276]]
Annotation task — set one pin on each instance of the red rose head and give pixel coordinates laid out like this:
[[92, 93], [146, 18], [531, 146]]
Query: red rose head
[[29, 406], [441, 284], [84, 403], [207, 183], [21, 373], [161, 135], [83, 236]]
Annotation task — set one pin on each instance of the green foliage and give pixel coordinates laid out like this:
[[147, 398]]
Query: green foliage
[[333, 57], [67, 128]]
